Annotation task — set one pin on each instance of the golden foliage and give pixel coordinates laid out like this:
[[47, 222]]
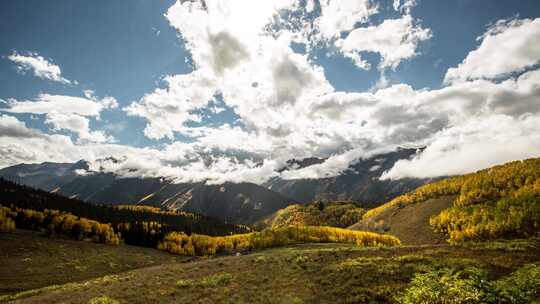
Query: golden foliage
[[6, 220], [54, 221], [333, 214], [486, 185], [502, 201], [181, 243], [515, 216], [155, 210]]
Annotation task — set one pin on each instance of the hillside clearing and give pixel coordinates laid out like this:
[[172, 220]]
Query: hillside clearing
[[29, 260], [409, 223]]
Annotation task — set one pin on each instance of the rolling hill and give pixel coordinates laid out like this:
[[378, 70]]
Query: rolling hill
[[333, 214], [498, 202]]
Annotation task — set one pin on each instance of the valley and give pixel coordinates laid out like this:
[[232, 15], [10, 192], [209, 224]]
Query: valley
[[479, 230]]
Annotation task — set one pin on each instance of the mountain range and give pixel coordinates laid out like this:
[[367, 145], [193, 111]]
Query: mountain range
[[239, 203]]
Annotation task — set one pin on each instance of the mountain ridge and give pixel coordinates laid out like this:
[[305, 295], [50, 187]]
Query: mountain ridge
[[245, 203]]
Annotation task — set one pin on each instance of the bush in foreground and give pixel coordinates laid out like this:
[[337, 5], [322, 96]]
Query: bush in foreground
[[471, 286], [181, 243]]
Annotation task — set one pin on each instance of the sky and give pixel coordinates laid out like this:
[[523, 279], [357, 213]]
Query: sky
[[229, 90]]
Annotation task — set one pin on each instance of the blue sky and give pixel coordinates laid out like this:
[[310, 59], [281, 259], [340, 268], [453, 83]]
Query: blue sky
[[124, 49]]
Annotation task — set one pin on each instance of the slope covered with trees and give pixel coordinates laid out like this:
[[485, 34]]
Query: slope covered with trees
[[333, 214], [181, 243], [499, 202], [61, 223], [137, 225]]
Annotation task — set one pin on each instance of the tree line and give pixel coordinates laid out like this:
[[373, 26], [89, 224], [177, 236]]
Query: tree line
[[203, 245], [54, 222]]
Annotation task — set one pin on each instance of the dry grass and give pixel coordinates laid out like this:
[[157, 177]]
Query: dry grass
[[29, 260], [312, 273]]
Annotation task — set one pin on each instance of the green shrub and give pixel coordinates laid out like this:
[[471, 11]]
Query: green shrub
[[215, 280], [520, 287], [184, 283], [103, 300], [446, 286], [220, 279]]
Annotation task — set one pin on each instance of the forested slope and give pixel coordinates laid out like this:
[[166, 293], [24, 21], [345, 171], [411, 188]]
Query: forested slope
[[499, 202], [333, 214], [137, 225]]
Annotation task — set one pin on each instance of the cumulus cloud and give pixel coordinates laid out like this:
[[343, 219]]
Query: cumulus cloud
[[394, 39], [244, 61], [287, 108], [508, 46], [13, 128], [404, 6], [39, 66], [67, 112], [237, 55], [76, 123], [339, 16], [168, 109], [473, 146]]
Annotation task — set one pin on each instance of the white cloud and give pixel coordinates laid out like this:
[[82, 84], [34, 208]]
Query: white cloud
[[507, 47], [67, 112], [39, 66], [286, 108], [167, 110], [333, 166], [406, 6], [180, 161], [394, 39], [12, 127], [339, 16], [310, 6], [46, 103], [258, 74], [78, 124], [473, 146]]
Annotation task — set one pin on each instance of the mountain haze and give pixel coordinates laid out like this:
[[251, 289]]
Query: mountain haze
[[359, 183]]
